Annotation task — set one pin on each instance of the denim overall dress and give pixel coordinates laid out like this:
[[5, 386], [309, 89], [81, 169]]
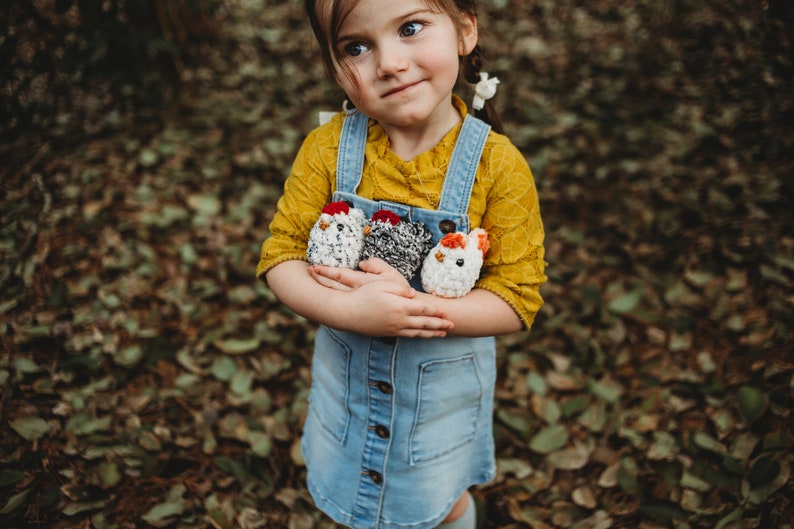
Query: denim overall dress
[[399, 428]]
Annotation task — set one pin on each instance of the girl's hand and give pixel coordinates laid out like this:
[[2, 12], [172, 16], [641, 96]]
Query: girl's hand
[[374, 269], [387, 308]]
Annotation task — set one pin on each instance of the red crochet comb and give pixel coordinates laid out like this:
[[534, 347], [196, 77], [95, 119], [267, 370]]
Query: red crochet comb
[[385, 215], [332, 208]]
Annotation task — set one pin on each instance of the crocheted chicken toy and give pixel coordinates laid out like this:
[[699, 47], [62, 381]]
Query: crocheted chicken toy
[[453, 265], [337, 237], [400, 243], [343, 237]]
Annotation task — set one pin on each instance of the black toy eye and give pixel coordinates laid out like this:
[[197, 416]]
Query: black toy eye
[[460, 262], [340, 227]]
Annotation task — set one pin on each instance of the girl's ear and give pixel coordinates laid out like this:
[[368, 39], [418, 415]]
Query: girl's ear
[[468, 34]]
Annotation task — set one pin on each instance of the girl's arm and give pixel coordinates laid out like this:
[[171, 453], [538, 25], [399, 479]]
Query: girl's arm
[[478, 313], [380, 307]]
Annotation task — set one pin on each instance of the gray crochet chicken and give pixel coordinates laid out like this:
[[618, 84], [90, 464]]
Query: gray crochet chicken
[[400, 243]]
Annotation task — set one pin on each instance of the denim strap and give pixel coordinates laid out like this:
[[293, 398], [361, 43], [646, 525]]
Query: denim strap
[[350, 160], [462, 170]]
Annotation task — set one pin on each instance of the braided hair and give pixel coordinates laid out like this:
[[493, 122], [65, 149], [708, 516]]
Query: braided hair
[[471, 66]]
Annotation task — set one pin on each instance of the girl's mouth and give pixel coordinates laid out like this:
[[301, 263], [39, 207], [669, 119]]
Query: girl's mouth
[[401, 89]]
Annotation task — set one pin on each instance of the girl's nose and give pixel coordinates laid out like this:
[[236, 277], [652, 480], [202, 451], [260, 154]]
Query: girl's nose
[[391, 61]]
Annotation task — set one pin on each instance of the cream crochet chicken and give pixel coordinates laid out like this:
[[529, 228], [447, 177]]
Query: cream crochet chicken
[[453, 265], [337, 237]]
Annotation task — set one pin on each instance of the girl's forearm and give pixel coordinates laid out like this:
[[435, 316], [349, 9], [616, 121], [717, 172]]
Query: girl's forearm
[[479, 313], [375, 308], [294, 287]]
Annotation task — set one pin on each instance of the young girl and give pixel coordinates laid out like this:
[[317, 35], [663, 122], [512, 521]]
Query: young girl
[[400, 416]]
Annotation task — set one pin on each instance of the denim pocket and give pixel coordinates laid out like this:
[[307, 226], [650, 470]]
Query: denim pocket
[[448, 407], [330, 390]]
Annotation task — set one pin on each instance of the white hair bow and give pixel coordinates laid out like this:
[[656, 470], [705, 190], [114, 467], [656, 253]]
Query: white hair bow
[[484, 90]]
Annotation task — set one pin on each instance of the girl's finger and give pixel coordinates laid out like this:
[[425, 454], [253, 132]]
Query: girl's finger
[[426, 334], [343, 276], [430, 324], [375, 265], [429, 331], [329, 282]]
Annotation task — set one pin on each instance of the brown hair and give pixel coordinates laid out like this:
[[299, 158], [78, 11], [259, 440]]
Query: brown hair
[[327, 17]]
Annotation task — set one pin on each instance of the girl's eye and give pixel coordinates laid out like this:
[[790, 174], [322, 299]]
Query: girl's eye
[[411, 28], [354, 49]]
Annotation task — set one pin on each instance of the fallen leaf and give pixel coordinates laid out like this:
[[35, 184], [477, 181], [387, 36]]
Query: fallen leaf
[[30, 428], [584, 497], [549, 438]]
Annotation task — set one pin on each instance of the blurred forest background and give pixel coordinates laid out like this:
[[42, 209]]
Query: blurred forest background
[[148, 380]]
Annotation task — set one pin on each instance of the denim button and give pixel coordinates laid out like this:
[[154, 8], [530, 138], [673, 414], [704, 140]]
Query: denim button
[[384, 387], [382, 431], [375, 476], [447, 226]]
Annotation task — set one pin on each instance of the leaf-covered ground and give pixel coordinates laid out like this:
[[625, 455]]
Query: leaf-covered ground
[[148, 380]]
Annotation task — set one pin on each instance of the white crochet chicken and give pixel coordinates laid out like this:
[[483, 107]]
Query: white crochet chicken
[[399, 242], [453, 265], [337, 237]]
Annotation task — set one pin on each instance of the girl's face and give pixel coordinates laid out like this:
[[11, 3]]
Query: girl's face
[[399, 60]]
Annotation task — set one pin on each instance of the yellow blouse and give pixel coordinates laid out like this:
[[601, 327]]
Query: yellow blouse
[[504, 202]]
